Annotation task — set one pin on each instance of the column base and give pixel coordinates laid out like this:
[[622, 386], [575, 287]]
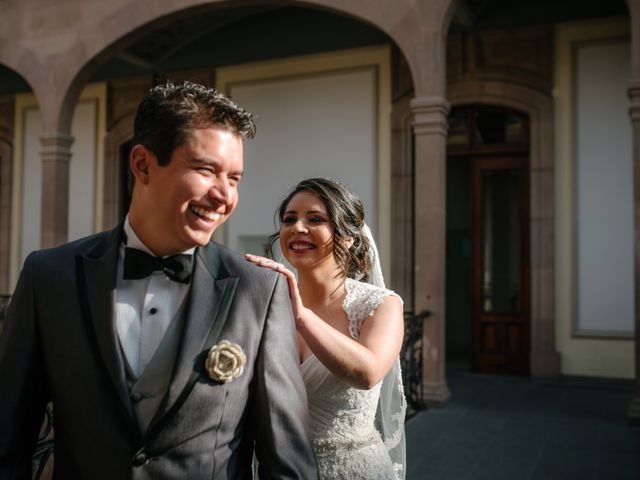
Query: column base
[[436, 395], [634, 411], [545, 364]]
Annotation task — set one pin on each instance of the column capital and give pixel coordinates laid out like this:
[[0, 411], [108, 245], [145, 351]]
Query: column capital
[[56, 138], [56, 146], [430, 115]]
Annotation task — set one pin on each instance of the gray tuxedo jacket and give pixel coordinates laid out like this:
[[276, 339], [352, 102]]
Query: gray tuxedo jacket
[[59, 344]]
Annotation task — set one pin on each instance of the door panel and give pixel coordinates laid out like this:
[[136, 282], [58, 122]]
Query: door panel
[[500, 271]]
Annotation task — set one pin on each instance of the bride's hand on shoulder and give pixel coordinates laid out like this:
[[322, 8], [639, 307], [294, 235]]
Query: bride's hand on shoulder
[[296, 300]]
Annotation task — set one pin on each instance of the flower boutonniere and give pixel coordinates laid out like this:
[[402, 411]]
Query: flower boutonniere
[[225, 361]]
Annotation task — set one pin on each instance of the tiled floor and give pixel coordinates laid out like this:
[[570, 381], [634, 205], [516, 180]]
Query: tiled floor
[[511, 428]]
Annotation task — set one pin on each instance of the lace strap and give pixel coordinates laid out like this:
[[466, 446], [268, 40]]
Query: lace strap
[[360, 302]]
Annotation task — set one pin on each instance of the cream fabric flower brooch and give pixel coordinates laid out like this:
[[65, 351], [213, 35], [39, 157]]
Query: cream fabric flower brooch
[[225, 361]]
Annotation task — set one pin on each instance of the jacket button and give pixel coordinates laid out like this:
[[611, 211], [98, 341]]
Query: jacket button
[[136, 397], [140, 459]]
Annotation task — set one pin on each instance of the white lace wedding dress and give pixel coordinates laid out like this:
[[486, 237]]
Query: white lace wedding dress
[[342, 418]]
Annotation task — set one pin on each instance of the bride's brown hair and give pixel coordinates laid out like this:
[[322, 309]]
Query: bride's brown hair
[[346, 213]]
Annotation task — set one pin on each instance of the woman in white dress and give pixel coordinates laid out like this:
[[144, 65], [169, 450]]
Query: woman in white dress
[[349, 332]]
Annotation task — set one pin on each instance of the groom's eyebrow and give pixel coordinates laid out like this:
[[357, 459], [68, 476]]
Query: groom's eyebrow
[[214, 163], [205, 161]]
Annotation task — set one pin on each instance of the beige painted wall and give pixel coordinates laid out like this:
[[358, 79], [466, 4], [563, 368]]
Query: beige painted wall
[[318, 115], [605, 355]]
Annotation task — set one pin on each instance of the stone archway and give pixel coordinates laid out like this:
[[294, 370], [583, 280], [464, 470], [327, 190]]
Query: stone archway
[[545, 361], [417, 29], [102, 30]]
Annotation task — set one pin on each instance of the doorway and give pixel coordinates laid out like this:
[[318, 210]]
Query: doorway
[[487, 290], [126, 179]]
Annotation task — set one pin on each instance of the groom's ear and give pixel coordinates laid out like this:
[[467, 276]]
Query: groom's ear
[[139, 160]]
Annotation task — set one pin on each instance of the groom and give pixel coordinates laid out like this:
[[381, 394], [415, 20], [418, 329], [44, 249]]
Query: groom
[[165, 355]]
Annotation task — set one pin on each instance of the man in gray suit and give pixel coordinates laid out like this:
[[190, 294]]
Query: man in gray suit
[[166, 356]]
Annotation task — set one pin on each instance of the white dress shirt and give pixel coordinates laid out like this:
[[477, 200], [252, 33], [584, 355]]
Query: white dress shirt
[[144, 308]]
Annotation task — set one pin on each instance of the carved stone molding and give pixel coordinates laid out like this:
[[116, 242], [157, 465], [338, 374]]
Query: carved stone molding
[[430, 115]]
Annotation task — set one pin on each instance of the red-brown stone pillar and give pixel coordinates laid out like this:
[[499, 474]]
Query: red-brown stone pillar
[[430, 133], [56, 156], [634, 112]]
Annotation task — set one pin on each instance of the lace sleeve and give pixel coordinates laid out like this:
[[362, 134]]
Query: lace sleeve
[[360, 303]]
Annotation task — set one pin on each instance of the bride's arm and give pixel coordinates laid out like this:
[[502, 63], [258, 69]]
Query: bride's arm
[[362, 363]]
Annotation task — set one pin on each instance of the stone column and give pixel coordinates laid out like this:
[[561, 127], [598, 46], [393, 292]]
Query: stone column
[[56, 155], [430, 134], [634, 112]]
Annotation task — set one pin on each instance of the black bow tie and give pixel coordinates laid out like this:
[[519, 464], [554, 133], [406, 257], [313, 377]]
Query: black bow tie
[[139, 264]]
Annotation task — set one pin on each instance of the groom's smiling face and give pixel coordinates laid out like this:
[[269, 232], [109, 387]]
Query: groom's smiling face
[[180, 205]]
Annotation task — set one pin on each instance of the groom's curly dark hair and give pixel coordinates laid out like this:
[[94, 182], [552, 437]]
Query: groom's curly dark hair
[[170, 112], [346, 212]]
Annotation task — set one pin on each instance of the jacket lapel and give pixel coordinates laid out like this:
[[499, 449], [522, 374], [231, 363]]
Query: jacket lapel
[[212, 292], [96, 276]]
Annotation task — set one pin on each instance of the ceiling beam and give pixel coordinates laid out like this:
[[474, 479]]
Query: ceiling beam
[[134, 60]]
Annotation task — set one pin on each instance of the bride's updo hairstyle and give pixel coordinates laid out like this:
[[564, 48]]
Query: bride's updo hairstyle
[[346, 213]]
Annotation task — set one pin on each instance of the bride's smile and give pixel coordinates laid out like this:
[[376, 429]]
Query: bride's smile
[[306, 234]]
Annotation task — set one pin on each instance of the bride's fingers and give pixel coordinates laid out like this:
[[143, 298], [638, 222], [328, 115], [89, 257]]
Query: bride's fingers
[[268, 263], [258, 260], [255, 258]]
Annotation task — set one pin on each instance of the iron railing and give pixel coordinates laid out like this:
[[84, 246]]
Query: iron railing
[[411, 361], [4, 305], [44, 446]]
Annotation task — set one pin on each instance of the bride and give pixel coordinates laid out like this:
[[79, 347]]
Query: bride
[[349, 332]]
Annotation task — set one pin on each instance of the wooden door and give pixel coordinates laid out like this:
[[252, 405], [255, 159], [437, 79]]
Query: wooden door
[[500, 265]]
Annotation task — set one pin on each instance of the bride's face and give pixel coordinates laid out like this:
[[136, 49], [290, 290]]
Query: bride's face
[[306, 233]]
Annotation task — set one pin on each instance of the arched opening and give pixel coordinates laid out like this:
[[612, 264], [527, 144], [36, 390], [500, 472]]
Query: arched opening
[[219, 34], [340, 96], [204, 43], [487, 291]]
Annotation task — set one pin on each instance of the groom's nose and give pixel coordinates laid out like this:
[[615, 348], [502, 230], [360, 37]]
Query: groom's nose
[[221, 191]]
